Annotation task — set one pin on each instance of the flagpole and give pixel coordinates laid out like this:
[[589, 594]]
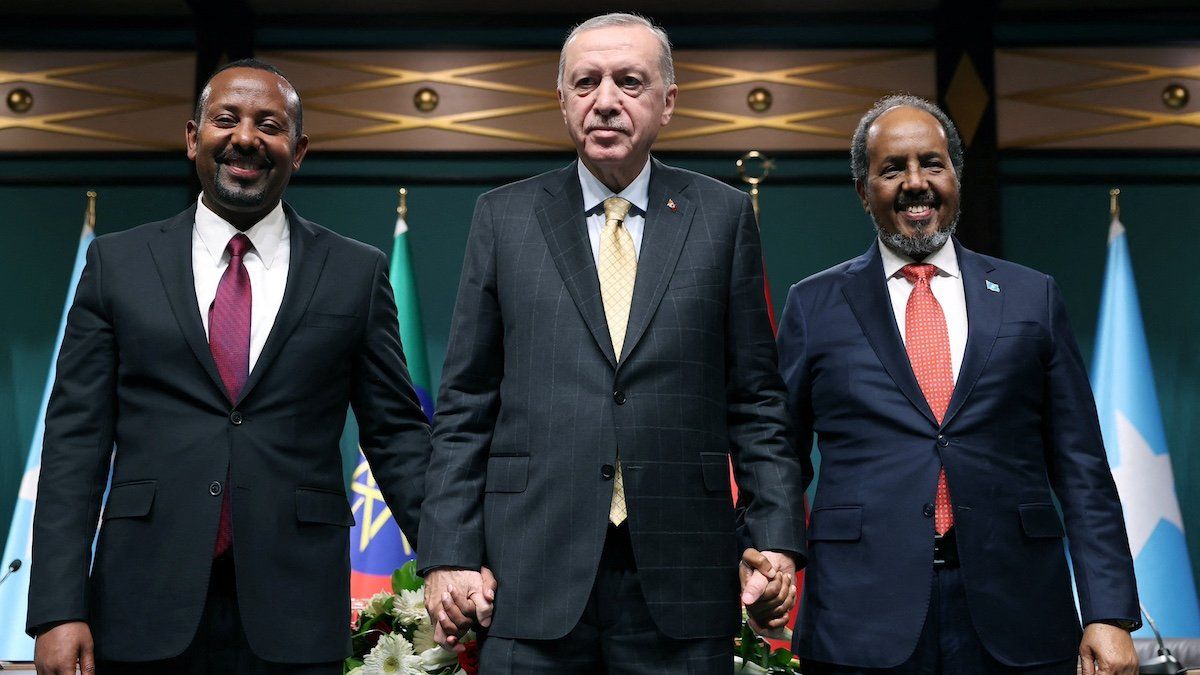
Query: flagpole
[[1114, 204], [402, 209], [89, 218]]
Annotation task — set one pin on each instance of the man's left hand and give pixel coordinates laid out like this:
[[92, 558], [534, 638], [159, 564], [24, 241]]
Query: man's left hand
[[1107, 650]]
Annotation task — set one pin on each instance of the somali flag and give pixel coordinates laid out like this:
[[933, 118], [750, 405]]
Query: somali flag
[[377, 547], [15, 645], [1123, 383]]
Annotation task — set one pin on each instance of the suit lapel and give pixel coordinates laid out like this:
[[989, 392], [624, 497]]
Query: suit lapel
[[662, 241], [866, 293], [560, 213], [304, 269], [984, 311], [172, 254]]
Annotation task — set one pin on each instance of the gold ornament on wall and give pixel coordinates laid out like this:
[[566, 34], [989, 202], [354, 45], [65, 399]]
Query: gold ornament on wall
[[1175, 96], [425, 100], [759, 99], [19, 100]]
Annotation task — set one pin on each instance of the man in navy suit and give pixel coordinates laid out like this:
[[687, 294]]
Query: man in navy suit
[[951, 406]]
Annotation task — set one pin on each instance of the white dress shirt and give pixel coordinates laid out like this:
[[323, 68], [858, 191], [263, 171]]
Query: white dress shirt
[[594, 194], [266, 262], [947, 287]]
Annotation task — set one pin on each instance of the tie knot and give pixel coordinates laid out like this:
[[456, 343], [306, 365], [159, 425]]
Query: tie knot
[[616, 208], [238, 245], [916, 272]]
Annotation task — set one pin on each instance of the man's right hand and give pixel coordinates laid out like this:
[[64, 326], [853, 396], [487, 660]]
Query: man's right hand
[[456, 600], [58, 650]]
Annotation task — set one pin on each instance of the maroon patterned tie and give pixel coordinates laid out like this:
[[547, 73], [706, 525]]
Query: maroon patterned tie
[[927, 341], [229, 340]]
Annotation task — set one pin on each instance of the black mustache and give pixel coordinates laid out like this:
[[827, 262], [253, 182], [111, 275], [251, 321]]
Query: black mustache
[[230, 156], [905, 200]]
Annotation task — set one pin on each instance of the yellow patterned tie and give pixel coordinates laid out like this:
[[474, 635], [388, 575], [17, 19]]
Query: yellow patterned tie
[[617, 271]]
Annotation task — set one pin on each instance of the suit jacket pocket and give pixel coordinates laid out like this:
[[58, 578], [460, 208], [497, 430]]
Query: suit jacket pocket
[[320, 320], [836, 523], [697, 276], [507, 474], [323, 507], [1040, 520], [714, 468], [130, 500], [1021, 329]]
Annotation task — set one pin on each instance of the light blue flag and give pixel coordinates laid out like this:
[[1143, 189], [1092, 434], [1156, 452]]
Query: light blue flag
[[1137, 450], [15, 645]]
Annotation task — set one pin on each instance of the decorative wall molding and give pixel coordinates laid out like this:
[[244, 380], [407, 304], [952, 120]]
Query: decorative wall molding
[[491, 101], [1111, 98], [96, 100]]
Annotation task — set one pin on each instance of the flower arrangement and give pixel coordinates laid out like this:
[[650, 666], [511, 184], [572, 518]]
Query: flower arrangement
[[392, 635], [752, 655]]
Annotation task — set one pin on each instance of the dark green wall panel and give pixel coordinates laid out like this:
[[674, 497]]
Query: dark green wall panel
[[1063, 230]]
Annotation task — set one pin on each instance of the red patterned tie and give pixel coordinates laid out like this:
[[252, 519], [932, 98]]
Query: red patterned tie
[[229, 340], [928, 344]]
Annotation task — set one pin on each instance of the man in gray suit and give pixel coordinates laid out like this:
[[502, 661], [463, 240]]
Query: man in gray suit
[[610, 353]]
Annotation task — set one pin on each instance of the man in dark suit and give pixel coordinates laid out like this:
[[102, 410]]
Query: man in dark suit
[[218, 350], [610, 353], [950, 405]]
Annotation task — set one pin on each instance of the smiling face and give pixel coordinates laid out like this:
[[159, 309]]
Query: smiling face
[[911, 189], [244, 145], [614, 100]]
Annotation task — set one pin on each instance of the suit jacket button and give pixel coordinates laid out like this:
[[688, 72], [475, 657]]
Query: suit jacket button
[[214, 488], [927, 510], [235, 417], [607, 472], [619, 397], [942, 440]]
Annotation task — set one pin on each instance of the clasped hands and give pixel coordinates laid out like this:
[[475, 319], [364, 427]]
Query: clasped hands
[[459, 599], [768, 589]]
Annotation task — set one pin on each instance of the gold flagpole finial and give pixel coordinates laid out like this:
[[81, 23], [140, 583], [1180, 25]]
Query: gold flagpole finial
[[403, 208], [90, 218], [765, 166], [1114, 205]]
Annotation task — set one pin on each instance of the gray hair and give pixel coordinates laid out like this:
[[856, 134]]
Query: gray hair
[[858, 144], [666, 66]]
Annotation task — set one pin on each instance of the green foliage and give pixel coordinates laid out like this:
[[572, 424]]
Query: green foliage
[[406, 578]]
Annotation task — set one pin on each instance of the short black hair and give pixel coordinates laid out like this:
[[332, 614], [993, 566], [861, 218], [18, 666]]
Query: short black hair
[[858, 144], [298, 108]]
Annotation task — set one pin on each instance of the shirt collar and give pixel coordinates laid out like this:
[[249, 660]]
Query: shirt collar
[[945, 259], [215, 233], [595, 192]]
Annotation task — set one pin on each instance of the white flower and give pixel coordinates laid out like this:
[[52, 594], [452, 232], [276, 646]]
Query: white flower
[[375, 606], [410, 608], [356, 671], [423, 638], [392, 655], [436, 658]]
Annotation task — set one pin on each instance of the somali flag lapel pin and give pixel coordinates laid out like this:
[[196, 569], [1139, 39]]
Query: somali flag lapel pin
[[991, 285]]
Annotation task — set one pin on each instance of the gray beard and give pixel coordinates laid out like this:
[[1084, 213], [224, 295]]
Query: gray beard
[[919, 246]]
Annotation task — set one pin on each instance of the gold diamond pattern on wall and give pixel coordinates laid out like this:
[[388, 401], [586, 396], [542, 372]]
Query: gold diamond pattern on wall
[[1095, 98], [967, 99], [505, 100], [97, 100]]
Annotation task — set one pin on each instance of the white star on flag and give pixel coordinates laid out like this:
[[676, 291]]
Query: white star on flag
[[1146, 484]]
